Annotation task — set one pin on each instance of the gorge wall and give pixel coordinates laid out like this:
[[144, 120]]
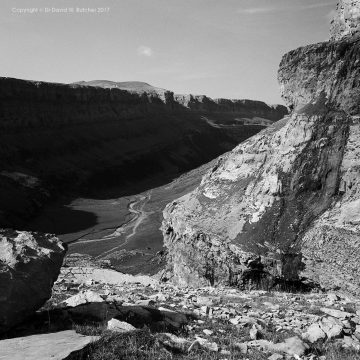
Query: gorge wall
[[57, 138], [285, 203]]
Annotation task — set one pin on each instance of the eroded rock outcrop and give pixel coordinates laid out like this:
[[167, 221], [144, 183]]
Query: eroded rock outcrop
[[29, 265], [347, 19], [287, 197]]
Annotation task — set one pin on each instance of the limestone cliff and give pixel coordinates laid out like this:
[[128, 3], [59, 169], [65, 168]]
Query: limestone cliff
[[347, 20], [286, 202], [57, 138], [242, 108]]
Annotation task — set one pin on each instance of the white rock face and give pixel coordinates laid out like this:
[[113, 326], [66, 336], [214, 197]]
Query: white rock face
[[254, 207], [347, 19], [287, 199], [54, 346]]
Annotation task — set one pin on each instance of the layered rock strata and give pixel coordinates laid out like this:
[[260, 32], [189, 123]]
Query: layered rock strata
[[197, 103], [286, 202]]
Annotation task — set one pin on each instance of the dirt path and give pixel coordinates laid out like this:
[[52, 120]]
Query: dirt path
[[138, 215], [253, 121], [211, 123], [141, 214]]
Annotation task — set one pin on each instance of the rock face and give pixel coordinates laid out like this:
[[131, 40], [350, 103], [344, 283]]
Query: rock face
[[287, 197], [327, 69], [240, 107], [29, 265], [58, 138], [347, 19]]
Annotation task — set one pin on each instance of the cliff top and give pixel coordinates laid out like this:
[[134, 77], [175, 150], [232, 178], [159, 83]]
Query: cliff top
[[136, 86]]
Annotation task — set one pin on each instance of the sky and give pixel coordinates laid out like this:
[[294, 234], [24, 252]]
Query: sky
[[220, 48]]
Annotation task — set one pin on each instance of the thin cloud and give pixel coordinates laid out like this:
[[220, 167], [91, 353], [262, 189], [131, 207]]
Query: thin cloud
[[252, 11], [145, 51], [316, 6], [267, 10]]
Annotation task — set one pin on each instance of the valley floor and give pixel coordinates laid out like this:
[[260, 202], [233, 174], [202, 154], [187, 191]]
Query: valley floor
[[123, 230]]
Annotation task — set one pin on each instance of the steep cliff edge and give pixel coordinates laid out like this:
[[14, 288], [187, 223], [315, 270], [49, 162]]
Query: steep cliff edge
[[57, 138], [236, 110], [286, 202]]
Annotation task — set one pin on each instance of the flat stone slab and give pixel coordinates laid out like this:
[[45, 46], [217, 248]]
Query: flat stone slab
[[54, 346], [103, 276]]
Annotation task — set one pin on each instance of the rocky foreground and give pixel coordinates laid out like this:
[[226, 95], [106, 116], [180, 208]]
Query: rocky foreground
[[110, 308]]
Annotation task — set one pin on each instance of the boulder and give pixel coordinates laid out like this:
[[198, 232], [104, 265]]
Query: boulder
[[253, 332], [159, 297], [29, 265], [138, 316], [293, 346], [173, 342], [145, 302], [275, 357], [92, 312], [54, 346], [332, 327], [83, 298], [205, 344], [333, 297], [336, 313], [120, 326], [208, 332], [351, 342], [207, 301], [314, 333]]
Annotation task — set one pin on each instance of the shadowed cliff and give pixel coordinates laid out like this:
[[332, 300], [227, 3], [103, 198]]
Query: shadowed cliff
[[80, 140]]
